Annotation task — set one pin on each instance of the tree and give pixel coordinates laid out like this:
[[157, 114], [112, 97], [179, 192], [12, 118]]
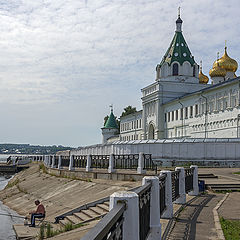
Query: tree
[[128, 110]]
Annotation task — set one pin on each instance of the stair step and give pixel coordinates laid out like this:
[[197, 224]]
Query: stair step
[[94, 213], [81, 216], [89, 213], [73, 219], [98, 210], [106, 203], [63, 222], [103, 206]]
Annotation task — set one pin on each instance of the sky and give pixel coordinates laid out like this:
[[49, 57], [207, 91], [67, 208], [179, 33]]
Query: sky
[[63, 62]]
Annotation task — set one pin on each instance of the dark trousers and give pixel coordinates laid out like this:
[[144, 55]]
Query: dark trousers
[[36, 215]]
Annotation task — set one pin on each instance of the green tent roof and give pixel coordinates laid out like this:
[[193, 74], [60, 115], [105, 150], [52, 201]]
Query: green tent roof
[[178, 51], [111, 122]]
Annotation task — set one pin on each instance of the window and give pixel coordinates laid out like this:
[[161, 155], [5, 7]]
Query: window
[[181, 113], [186, 112], [176, 115], [194, 71], [140, 123], [168, 116], [165, 117], [196, 109], [175, 69], [191, 111], [172, 115]]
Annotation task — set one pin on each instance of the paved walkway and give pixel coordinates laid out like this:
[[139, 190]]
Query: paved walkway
[[196, 220]]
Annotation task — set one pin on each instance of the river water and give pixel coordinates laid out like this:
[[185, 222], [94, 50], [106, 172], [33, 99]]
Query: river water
[[6, 222]]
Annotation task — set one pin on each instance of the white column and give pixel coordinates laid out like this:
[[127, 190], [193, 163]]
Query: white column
[[131, 214], [49, 160], [168, 213], [111, 164], [89, 160], [182, 192], [195, 190], [53, 161], [141, 164], [45, 159], [154, 206], [59, 162], [71, 168]]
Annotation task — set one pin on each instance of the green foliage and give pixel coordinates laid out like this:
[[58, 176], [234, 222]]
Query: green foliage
[[231, 228], [49, 230], [12, 183], [128, 110], [42, 167], [30, 149], [68, 227], [41, 232], [237, 173]]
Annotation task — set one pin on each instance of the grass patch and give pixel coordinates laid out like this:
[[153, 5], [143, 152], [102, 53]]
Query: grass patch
[[12, 183], [231, 228], [236, 173], [16, 183], [43, 168], [46, 231]]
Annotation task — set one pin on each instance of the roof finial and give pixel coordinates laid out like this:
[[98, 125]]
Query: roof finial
[[201, 66], [179, 22], [225, 49], [111, 107], [217, 56]]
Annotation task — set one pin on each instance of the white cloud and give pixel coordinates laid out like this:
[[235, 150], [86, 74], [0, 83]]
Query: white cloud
[[93, 53]]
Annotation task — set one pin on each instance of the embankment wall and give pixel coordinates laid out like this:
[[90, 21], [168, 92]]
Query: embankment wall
[[208, 152]]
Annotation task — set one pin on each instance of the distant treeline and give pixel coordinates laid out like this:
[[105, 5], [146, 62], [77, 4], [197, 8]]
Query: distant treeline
[[7, 148]]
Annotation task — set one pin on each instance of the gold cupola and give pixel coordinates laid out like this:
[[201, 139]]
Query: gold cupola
[[217, 71], [202, 78], [229, 64]]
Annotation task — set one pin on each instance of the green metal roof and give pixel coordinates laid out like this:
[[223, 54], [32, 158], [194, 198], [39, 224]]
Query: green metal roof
[[111, 122], [178, 51]]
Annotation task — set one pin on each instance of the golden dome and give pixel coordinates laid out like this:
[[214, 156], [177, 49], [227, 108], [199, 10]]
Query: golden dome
[[203, 78], [229, 64], [217, 71]]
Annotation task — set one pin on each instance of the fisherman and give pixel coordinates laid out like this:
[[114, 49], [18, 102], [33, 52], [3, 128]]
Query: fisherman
[[39, 213]]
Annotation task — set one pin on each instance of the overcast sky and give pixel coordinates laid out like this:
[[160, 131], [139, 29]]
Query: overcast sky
[[63, 62]]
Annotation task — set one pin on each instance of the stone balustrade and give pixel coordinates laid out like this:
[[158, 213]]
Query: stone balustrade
[[141, 217]]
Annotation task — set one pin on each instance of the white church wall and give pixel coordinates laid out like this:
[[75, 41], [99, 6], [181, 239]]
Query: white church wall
[[182, 150], [220, 120]]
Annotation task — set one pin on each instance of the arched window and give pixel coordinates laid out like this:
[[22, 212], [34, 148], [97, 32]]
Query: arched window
[[194, 71], [175, 69], [151, 132]]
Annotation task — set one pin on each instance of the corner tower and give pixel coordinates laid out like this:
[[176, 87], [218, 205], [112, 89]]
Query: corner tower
[[110, 128], [178, 64]]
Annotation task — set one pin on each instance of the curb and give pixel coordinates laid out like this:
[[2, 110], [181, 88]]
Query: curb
[[216, 218]]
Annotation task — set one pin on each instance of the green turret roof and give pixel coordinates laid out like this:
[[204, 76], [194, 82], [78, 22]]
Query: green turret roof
[[178, 50], [111, 122]]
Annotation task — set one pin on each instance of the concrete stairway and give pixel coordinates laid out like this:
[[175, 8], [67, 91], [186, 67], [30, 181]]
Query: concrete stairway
[[90, 213], [223, 186]]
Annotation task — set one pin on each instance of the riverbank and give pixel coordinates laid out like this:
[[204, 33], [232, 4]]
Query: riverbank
[[7, 216], [58, 195]]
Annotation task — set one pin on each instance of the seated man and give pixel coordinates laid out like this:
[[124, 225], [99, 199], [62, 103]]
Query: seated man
[[39, 213]]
